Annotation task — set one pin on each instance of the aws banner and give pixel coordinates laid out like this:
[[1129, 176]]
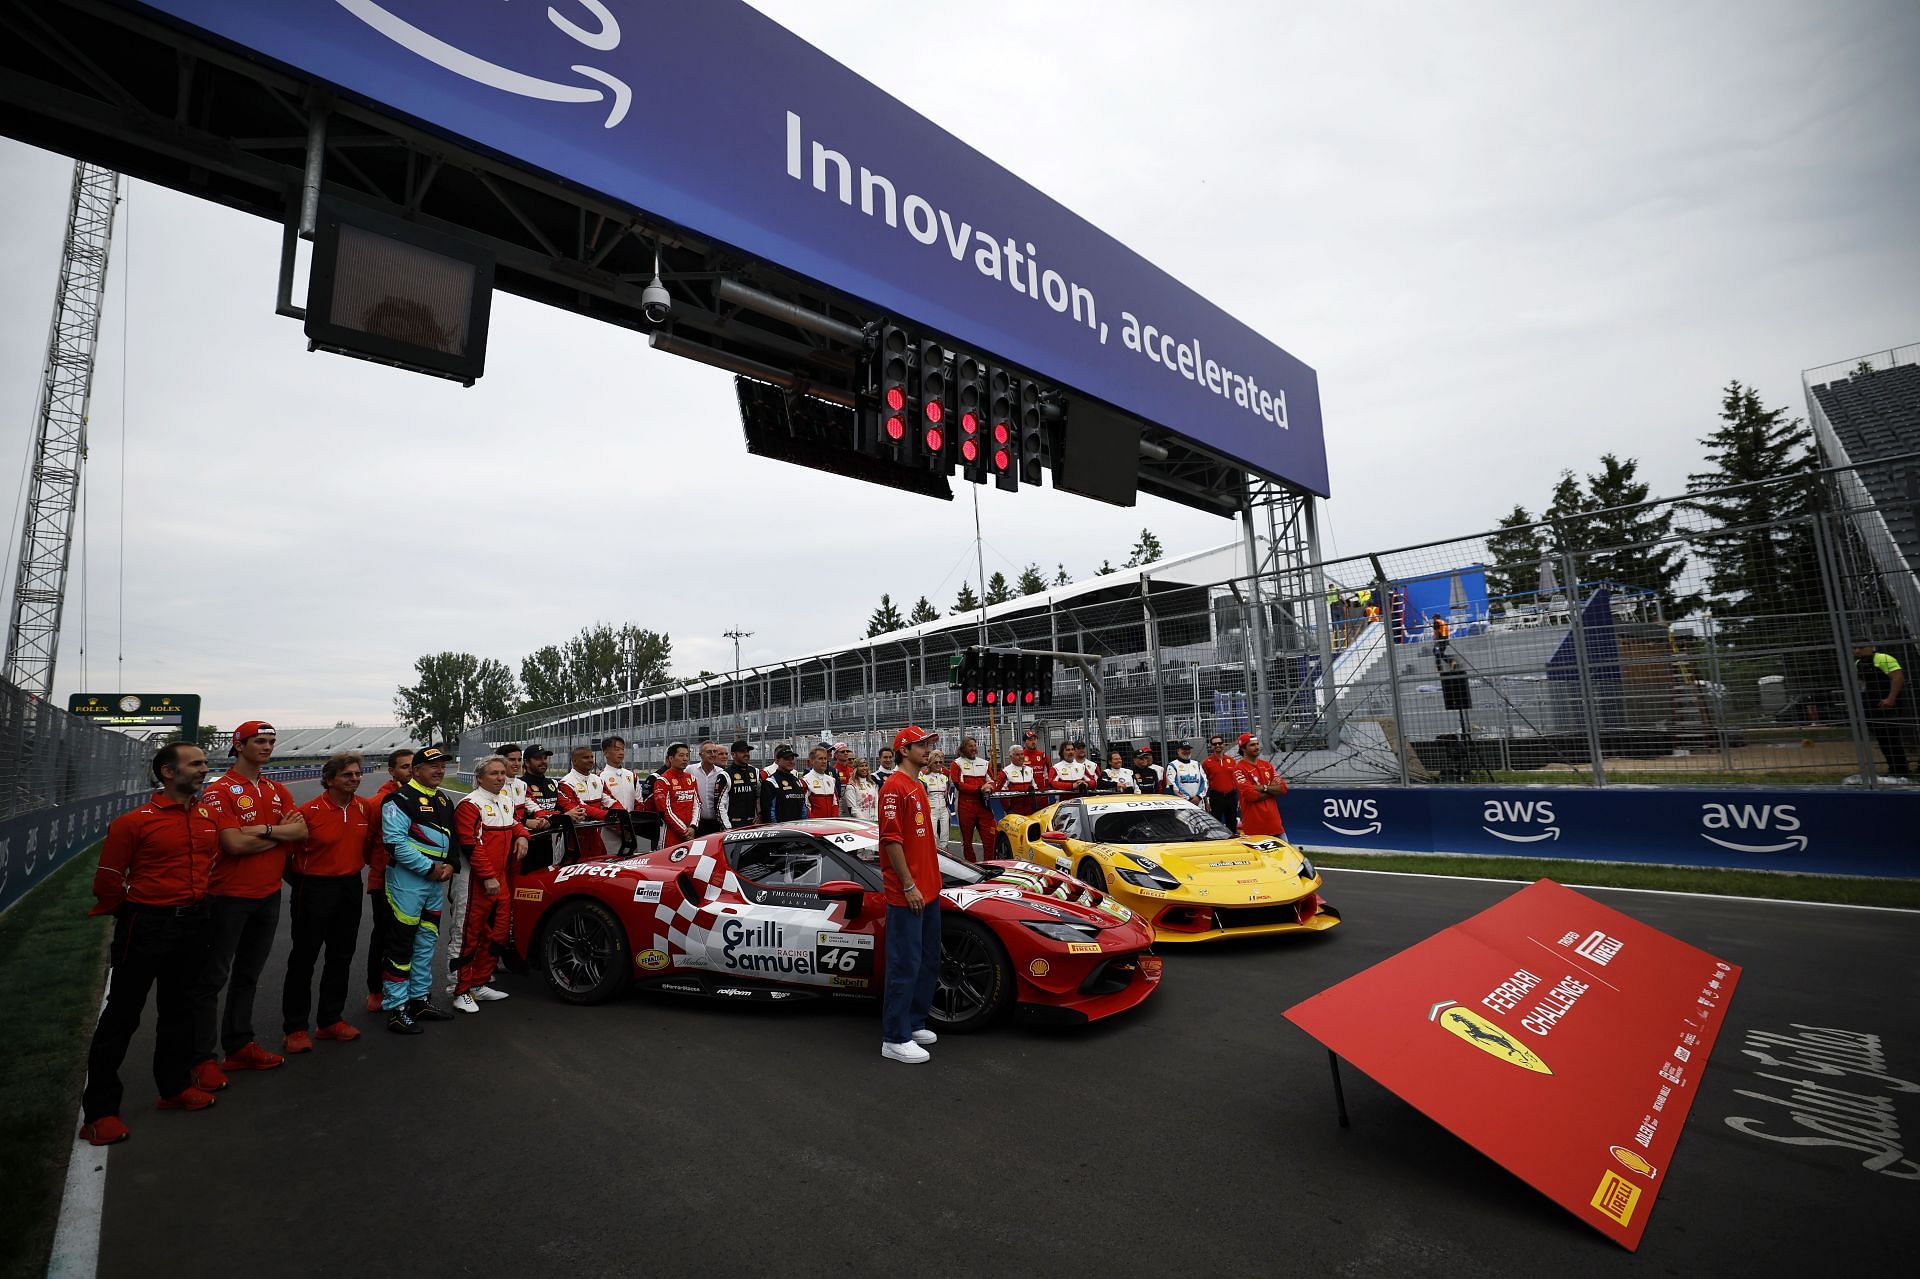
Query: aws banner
[[34, 845], [706, 114], [1834, 832], [1558, 1037]]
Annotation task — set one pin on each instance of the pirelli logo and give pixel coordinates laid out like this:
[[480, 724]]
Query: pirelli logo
[[1616, 1197]]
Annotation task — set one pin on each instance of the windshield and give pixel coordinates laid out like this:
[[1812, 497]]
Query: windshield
[[1172, 824], [955, 874]]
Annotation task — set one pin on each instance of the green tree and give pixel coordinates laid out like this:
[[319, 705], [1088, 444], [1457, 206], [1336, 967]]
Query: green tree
[[1756, 568], [597, 662], [544, 678], [1633, 547], [923, 611], [1031, 583], [1105, 568], [1513, 554], [998, 591], [1568, 508], [885, 618], [1060, 577], [966, 601], [454, 692], [1145, 551]]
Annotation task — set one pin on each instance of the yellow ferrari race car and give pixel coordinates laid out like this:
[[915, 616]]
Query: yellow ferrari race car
[[1175, 865]]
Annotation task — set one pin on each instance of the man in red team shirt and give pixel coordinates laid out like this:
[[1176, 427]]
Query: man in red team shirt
[[1223, 794], [910, 870], [821, 783], [399, 769], [257, 819], [973, 778], [325, 901], [1260, 788], [676, 797], [487, 826], [152, 879]]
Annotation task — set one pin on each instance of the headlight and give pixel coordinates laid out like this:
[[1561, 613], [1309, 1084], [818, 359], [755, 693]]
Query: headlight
[[1306, 867], [1061, 932], [1156, 878]]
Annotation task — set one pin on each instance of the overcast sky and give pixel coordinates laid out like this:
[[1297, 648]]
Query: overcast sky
[[1508, 237]]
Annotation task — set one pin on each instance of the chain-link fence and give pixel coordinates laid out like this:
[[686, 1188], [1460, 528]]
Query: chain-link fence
[[49, 758], [1707, 639]]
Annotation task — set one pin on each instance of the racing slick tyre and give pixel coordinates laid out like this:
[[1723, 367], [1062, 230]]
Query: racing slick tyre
[[1089, 873], [1002, 848], [976, 977], [583, 953]]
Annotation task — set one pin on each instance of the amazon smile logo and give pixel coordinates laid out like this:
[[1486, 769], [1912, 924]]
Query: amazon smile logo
[[1770, 827], [603, 36], [1355, 811], [1535, 813]]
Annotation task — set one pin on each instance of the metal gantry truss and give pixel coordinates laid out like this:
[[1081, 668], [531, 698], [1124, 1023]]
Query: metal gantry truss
[[1283, 547], [59, 448]]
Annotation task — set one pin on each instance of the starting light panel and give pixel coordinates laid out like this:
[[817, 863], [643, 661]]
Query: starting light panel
[[934, 408]]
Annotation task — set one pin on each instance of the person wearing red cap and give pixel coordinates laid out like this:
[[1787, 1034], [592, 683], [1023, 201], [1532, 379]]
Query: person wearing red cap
[[258, 820], [399, 769], [910, 870], [152, 878], [1223, 783], [1259, 788], [325, 902]]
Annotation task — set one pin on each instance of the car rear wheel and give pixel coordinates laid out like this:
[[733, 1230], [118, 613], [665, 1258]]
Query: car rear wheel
[[1002, 847], [976, 978], [1091, 875], [583, 953]]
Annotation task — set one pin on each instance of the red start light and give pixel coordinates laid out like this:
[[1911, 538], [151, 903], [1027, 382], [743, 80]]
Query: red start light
[[1028, 699], [934, 441], [972, 697], [934, 411], [969, 423], [992, 697], [896, 429], [1001, 460], [1000, 433], [969, 450], [896, 398]]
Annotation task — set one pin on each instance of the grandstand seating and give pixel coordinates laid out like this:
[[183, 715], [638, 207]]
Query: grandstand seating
[[1875, 415], [318, 743]]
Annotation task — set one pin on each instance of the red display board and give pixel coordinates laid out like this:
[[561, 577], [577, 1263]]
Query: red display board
[[1560, 1038]]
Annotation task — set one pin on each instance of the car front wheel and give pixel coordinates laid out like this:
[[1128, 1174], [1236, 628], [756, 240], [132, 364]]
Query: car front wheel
[[583, 953], [1091, 875], [1002, 847], [976, 978]]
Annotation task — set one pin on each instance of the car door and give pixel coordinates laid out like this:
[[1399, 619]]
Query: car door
[[778, 928], [1070, 820]]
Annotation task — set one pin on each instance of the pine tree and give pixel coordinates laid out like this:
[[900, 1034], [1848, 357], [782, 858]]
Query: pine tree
[[966, 601], [1060, 577], [1567, 509], [1106, 567], [998, 592], [923, 611], [1633, 548], [1031, 583], [1760, 569], [1513, 554], [885, 618], [1146, 550]]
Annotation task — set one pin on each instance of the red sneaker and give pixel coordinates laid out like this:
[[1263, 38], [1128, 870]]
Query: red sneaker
[[298, 1042], [187, 1099], [106, 1130], [252, 1057], [375, 1001], [340, 1031], [208, 1077]]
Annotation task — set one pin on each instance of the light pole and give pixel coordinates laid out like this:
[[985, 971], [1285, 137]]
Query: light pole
[[739, 720]]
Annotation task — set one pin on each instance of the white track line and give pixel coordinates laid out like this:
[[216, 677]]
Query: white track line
[[76, 1240], [1615, 888]]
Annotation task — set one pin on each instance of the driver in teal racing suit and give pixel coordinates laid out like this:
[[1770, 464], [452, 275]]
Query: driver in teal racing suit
[[416, 825]]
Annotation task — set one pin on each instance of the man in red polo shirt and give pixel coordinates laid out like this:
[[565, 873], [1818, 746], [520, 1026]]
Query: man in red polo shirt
[[325, 902], [152, 879], [910, 870], [257, 819], [399, 769], [1260, 788], [1223, 784]]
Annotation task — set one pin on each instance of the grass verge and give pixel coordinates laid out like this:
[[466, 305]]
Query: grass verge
[[1845, 889], [53, 963]]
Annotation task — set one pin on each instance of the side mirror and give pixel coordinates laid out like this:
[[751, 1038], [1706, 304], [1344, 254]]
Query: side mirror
[[842, 890], [1055, 837]]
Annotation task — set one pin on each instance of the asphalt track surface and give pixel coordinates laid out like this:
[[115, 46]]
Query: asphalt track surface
[[1195, 1136]]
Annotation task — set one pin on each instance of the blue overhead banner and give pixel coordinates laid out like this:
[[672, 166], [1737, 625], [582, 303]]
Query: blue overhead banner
[[1826, 832], [708, 115]]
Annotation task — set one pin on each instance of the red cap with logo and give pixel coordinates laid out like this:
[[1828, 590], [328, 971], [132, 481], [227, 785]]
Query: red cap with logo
[[1248, 739], [912, 735], [252, 728]]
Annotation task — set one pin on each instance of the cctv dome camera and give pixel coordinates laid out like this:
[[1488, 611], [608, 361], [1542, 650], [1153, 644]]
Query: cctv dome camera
[[655, 302]]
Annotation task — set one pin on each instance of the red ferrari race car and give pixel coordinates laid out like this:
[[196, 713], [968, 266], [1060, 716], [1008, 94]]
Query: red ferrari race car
[[773, 913]]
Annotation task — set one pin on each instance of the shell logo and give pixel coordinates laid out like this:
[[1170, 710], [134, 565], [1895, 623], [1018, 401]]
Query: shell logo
[[1039, 967], [1632, 1161]]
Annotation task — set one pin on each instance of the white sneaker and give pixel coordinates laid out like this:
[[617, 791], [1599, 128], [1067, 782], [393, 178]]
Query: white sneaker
[[912, 1054], [486, 994], [921, 1037], [464, 1003]]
